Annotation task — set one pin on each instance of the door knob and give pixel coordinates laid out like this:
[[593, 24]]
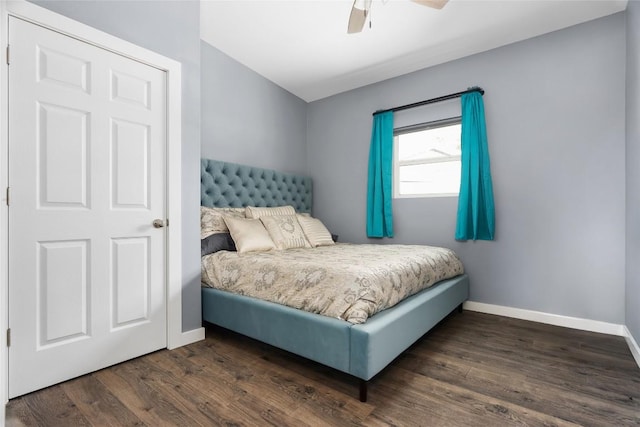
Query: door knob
[[158, 223]]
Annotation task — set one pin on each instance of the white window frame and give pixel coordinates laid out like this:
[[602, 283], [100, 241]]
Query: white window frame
[[397, 163]]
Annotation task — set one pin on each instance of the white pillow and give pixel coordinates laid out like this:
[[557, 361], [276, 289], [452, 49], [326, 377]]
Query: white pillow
[[249, 235], [285, 231], [254, 212], [212, 219], [317, 234]]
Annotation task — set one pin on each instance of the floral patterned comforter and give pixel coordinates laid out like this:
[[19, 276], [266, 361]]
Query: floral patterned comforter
[[350, 282]]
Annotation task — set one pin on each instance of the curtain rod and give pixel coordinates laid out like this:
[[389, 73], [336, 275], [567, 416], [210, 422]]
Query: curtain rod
[[432, 100]]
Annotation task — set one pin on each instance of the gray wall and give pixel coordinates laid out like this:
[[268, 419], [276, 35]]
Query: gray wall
[[556, 126], [247, 118], [633, 170], [171, 28], [555, 117]]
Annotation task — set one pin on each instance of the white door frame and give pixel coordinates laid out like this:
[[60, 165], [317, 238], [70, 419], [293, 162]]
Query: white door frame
[[41, 16]]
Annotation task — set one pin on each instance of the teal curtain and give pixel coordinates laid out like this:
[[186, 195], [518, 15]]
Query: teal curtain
[[379, 192], [475, 201]]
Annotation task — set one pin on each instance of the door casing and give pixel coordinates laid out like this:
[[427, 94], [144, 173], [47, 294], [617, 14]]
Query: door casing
[[43, 17]]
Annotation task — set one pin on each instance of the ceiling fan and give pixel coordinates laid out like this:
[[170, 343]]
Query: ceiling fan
[[361, 8]]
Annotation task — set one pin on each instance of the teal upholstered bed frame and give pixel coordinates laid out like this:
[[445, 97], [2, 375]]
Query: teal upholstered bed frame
[[360, 350], [231, 185]]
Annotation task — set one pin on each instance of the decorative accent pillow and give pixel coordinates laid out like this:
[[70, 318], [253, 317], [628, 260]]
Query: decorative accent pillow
[[254, 212], [249, 235], [316, 232], [216, 242], [285, 231], [212, 219]]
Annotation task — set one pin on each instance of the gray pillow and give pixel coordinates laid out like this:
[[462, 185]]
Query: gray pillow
[[216, 242]]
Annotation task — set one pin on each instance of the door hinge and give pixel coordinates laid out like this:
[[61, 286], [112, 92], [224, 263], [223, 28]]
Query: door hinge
[[7, 196], [8, 337], [8, 55]]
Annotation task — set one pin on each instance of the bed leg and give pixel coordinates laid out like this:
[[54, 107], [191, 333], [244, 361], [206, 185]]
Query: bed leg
[[460, 308], [363, 390]]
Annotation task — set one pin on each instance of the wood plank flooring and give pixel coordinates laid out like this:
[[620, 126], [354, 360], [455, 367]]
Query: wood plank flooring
[[471, 370]]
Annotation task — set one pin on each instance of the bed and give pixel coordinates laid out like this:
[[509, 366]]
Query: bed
[[359, 349]]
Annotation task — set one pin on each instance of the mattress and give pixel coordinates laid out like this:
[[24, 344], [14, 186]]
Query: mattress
[[344, 281]]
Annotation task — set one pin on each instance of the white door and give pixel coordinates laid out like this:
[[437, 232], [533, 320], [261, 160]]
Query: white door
[[87, 143]]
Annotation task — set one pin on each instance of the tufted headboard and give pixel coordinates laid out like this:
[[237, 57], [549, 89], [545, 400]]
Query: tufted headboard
[[225, 184]]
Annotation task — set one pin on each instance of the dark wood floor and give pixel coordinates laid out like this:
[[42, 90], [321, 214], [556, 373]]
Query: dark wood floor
[[471, 370]]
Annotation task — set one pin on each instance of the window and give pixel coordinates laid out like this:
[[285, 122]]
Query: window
[[426, 161]]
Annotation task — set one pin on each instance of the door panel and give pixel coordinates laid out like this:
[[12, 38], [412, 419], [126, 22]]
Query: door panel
[[129, 89], [62, 69], [63, 294], [63, 157], [87, 143], [130, 284], [130, 151]]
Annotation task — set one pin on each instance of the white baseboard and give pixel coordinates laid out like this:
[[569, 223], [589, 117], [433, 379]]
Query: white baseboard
[[557, 320], [548, 318], [188, 337], [633, 346]]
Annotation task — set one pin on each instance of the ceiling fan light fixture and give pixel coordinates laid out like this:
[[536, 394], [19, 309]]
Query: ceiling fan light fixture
[[436, 4], [361, 8], [359, 12]]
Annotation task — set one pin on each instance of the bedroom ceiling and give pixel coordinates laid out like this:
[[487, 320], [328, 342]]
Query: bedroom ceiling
[[303, 45]]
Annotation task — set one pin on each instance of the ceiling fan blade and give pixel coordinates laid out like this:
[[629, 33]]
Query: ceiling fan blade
[[359, 13], [436, 4]]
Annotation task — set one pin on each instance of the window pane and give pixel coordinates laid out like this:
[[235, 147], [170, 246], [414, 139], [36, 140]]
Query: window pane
[[431, 178], [427, 161], [430, 143]]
